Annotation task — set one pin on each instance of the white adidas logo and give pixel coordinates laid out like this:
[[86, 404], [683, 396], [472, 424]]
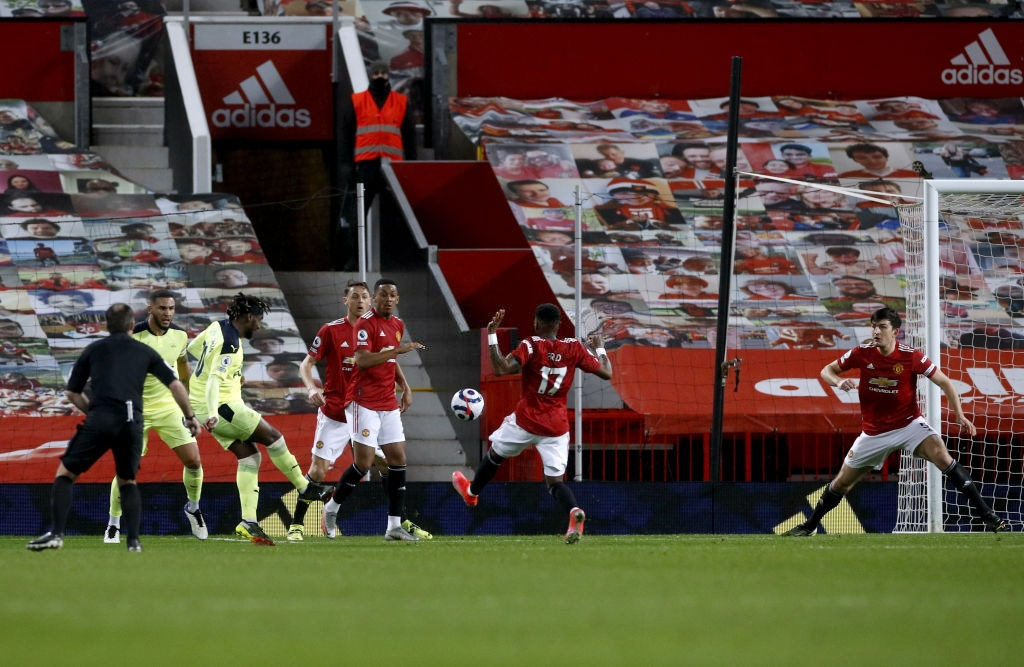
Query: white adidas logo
[[983, 61], [977, 55], [265, 89]]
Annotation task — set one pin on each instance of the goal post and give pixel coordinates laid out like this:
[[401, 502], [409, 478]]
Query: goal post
[[955, 235]]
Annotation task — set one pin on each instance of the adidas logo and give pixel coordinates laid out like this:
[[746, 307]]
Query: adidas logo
[[344, 343], [983, 61], [265, 89], [871, 367]]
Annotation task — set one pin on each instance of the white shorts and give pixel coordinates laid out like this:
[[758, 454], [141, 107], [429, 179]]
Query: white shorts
[[510, 440], [331, 437], [871, 451], [375, 428]]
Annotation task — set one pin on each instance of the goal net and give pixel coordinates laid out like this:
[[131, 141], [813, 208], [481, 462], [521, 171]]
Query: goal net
[[964, 274]]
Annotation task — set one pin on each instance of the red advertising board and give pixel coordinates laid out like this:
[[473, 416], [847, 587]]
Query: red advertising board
[[42, 73], [265, 81], [859, 59], [782, 390], [32, 447], [777, 391]]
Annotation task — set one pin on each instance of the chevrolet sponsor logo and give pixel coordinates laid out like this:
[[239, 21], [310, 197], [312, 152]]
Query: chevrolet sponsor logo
[[882, 382]]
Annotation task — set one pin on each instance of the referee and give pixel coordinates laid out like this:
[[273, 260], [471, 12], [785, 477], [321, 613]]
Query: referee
[[118, 366]]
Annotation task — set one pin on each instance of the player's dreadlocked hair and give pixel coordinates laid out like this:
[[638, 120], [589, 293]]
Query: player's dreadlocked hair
[[244, 305]]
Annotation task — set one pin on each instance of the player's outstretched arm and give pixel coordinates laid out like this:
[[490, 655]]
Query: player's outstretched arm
[[499, 316], [830, 374], [596, 342], [943, 382], [367, 359], [500, 364], [314, 394]]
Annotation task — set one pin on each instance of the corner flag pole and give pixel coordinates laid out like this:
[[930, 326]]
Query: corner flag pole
[[722, 366]]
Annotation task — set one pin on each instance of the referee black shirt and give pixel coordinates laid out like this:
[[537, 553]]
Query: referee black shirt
[[118, 365]]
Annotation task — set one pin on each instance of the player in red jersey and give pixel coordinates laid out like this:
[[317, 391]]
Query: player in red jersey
[[891, 418], [335, 345], [540, 419], [376, 414]]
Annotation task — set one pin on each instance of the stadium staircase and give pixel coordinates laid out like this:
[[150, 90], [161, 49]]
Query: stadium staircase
[[129, 133]]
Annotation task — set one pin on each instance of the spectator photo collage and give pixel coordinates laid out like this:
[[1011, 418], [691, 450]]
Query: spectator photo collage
[[75, 237], [810, 265]]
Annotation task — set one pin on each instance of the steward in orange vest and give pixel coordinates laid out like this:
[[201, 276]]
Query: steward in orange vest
[[378, 128], [379, 124]]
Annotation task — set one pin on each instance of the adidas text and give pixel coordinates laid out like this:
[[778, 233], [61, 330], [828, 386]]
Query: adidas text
[[983, 74], [270, 116]]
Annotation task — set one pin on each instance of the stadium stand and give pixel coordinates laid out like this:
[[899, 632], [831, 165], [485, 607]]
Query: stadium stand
[[810, 263], [77, 236], [652, 248]]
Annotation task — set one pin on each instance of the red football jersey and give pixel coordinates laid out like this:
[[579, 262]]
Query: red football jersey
[[335, 344], [815, 169], [548, 369], [888, 385], [653, 211], [375, 387]]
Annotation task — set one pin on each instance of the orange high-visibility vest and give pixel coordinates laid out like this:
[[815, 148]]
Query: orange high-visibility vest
[[379, 130]]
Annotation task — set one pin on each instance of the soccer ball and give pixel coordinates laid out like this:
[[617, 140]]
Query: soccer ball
[[467, 404]]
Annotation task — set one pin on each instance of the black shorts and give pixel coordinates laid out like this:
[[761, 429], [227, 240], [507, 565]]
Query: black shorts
[[103, 430]]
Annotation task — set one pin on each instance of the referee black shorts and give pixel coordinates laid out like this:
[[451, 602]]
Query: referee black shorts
[[103, 430]]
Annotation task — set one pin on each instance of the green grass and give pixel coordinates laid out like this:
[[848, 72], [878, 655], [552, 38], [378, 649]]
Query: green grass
[[665, 600]]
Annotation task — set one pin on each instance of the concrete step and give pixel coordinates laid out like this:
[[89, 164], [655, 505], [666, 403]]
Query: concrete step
[[143, 157], [131, 135], [128, 110], [434, 452], [428, 426], [416, 375], [424, 402]]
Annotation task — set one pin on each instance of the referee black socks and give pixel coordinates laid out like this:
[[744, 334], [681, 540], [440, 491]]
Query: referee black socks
[[60, 503]]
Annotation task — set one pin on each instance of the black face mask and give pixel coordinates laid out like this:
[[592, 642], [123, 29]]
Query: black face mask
[[379, 87]]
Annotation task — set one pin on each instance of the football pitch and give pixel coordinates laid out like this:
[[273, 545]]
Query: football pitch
[[609, 600]]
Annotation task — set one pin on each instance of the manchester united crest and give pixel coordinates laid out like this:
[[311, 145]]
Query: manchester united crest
[[898, 369]]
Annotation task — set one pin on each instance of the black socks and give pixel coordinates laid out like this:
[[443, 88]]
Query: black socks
[[485, 472], [828, 501]]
